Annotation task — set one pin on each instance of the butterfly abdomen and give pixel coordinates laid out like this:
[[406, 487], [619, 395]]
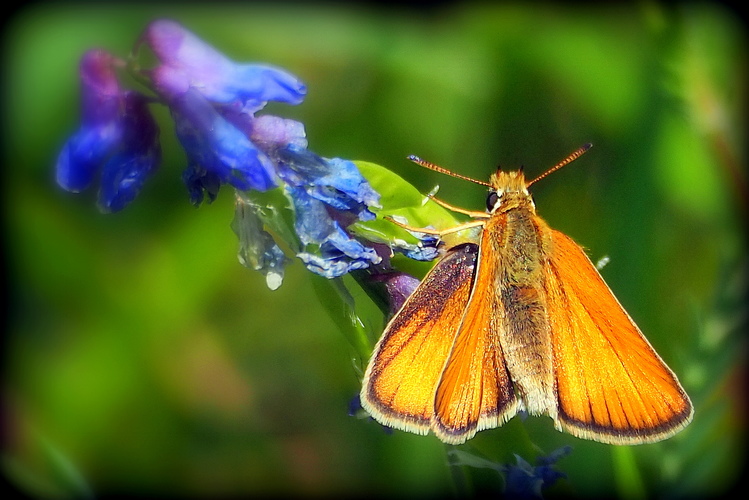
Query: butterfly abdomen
[[523, 326]]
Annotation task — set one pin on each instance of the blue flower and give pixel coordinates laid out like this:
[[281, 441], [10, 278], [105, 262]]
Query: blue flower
[[214, 103], [522, 480], [335, 182], [427, 249], [118, 137], [337, 253], [189, 62], [526, 481], [217, 151], [125, 172], [328, 194]]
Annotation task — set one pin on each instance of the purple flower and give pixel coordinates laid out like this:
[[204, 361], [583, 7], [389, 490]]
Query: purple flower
[[398, 287], [217, 151], [188, 62], [125, 172], [118, 137], [214, 103]]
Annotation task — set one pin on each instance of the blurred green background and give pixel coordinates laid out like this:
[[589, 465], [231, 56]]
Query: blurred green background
[[141, 357]]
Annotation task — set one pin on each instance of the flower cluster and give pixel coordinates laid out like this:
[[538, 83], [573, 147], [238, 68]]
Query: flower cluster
[[118, 137], [214, 103]]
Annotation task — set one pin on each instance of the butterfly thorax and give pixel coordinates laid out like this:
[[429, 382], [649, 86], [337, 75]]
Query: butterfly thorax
[[508, 191]]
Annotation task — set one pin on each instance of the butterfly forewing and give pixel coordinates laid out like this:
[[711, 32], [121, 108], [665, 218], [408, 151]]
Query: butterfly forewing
[[611, 385], [475, 391], [408, 360]]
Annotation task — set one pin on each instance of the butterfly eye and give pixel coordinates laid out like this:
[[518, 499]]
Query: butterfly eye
[[491, 200]]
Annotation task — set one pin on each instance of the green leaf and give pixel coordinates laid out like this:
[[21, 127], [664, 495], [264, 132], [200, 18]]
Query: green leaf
[[341, 306], [401, 200]]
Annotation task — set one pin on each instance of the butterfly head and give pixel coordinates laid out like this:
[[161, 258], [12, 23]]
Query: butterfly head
[[508, 190]]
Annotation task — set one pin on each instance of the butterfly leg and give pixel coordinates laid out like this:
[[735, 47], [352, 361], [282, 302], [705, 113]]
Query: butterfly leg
[[453, 208]]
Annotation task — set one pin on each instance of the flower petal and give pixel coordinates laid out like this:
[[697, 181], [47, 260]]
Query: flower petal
[[123, 174], [335, 182], [122, 179], [187, 61], [328, 267], [216, 148], [277, 132], [399, 287], [425, 250], [101, 95], [101, 130], [84, 153], [200, 182], [338, 252]]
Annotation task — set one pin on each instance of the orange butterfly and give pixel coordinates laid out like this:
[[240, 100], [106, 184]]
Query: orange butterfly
[[521, 321]]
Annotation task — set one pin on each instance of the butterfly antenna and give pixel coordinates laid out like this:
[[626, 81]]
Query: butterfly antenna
[[572, 157], [437, 168]]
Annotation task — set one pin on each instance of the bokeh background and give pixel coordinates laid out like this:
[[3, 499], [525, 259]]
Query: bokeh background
[[139, 356]]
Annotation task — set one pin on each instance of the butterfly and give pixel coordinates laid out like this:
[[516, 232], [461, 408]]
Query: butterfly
[[519, 321]]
